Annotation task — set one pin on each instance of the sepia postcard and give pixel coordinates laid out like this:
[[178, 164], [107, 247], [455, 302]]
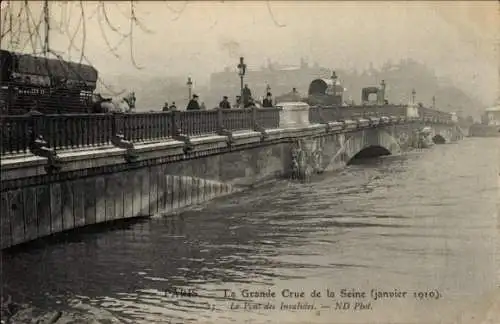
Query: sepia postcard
[[254, 162]]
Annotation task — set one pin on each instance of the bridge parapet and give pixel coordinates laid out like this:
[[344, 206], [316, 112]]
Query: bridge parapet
[[82, 131], [436, 116], [338, 113]]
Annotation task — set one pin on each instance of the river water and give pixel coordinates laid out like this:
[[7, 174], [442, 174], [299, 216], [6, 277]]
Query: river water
[[424, 223]]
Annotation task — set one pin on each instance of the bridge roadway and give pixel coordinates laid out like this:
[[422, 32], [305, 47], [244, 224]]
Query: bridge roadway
[[61, 172]]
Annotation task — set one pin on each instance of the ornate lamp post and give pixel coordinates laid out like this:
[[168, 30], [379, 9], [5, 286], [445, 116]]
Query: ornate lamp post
[[334, 79], [413, 93], [268, 88], [433, 102], [190, 87], [242, 68]]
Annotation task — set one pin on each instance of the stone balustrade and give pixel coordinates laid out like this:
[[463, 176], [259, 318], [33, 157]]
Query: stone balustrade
[[70, 131]]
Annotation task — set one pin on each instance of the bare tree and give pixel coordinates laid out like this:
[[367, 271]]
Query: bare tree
[[29, 25]]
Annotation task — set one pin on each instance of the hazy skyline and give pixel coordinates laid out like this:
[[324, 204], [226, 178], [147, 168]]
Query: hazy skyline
[[456, 39]]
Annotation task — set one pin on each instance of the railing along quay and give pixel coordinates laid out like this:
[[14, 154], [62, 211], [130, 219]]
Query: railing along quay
[[68, 131]]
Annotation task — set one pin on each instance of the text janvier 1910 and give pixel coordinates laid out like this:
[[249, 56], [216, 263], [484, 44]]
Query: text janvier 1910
[[374, 294]]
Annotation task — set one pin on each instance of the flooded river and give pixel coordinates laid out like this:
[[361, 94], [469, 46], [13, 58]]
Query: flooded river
[[400, 239]]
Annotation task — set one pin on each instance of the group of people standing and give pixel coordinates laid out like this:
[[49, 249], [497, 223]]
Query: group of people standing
[[244, 101], [247, 101], [192, 105]]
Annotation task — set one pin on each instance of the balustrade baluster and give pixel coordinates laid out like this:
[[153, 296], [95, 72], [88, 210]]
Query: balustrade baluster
[[143, 123], [149, 126], [136, 130], [156, 121], [163, 125], [249, 120], [93, 125], [158, 132], [212, 126], [196, 122], [183, 122], [184, 118], [85, 120], [102, 128], [68, 130], [52, 137], [130, 124], [186, 122], [64, 124], [174, 123], [138, 126], [142, 126], [223, 119], [230, 121], [180, 121], [12, 132], [90, 130], [78, 132], [233, 123], [81, 134], [133, 125], [110, 128], [151, 129], [106, 128]]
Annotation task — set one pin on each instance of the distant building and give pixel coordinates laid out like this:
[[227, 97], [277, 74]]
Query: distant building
[[280, 78], [493, 115]]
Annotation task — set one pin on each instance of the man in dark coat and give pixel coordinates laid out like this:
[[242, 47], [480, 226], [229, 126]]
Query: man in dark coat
[[268, 101], [193, 103], [247, 94], [224, 104]]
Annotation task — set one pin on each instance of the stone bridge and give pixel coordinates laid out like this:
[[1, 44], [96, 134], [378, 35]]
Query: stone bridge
[[48, 187]]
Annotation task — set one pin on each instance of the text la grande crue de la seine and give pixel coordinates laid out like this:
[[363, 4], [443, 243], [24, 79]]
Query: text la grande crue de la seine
[[374, 294]]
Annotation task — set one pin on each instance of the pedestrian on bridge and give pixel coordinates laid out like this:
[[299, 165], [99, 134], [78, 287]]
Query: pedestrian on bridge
[[268, 101], [193, 103], [238, 102], [247, 94], [165, 106], [224, 104]]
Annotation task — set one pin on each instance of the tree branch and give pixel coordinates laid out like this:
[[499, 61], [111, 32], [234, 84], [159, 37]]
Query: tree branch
[[272, 15]]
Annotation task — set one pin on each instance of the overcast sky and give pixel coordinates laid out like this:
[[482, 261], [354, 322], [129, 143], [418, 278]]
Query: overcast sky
[[457, 39]]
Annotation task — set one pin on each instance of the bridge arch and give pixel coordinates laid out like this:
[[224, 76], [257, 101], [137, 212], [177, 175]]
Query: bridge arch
[[369, 152], [368, 143]]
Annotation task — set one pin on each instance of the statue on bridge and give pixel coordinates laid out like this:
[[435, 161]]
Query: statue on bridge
[[307, 158]]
